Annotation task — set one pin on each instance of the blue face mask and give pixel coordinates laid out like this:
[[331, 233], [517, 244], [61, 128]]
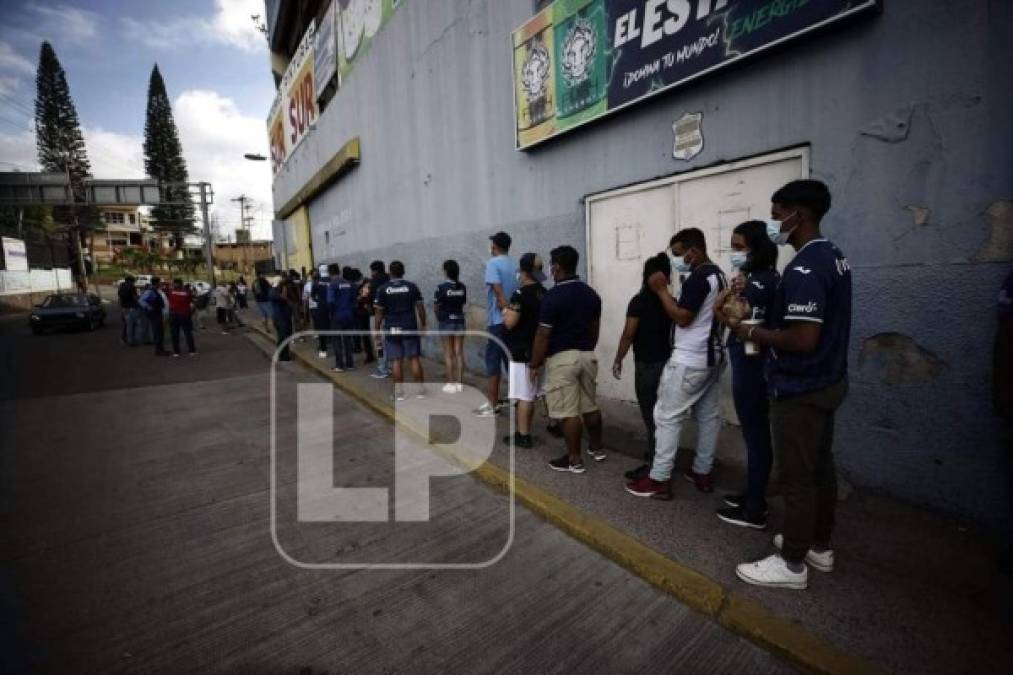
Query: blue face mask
[[679, 264], [774, 231], [738, 258]]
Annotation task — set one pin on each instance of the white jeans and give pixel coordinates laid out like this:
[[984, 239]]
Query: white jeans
[[686, 392]]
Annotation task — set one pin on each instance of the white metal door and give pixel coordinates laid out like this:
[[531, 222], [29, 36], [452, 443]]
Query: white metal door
[[627, 226]]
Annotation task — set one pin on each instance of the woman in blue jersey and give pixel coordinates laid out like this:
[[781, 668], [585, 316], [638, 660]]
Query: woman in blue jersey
[[754, 257], [450, 299]]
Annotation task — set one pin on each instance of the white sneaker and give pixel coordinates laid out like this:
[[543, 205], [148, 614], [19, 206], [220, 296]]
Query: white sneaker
[[821, 560], [458, 388], [450, 388], [773, 572], [321, 355], [485, 410], [598, 455]]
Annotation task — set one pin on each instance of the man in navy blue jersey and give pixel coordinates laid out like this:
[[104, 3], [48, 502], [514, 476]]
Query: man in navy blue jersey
[[807, 377], [400, 309]]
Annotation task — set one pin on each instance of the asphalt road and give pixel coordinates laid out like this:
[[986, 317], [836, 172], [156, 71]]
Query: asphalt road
[[135, 520]]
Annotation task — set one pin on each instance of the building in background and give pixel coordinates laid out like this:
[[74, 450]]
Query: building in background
[[242, 257], [610, 124]]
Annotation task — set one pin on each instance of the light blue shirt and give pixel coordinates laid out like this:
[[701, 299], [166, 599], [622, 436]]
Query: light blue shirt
[[500, 270]]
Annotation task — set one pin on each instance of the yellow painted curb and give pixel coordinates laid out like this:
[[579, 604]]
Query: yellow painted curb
[[782, 636]]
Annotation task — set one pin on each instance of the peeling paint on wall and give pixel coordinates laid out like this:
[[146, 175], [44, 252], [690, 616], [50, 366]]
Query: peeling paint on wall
[[899, 359], [999, 245], [892, 128], [919, 214]]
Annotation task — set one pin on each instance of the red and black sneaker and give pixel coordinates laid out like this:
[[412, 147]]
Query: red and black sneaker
[[646, 486], [702, 481]]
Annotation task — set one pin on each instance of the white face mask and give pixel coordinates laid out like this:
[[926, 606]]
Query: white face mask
[[738, 258], [774, 230], [519, 278], [679, 263]]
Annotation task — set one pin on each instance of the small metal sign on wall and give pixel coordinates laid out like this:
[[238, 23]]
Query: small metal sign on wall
[[688, 131]]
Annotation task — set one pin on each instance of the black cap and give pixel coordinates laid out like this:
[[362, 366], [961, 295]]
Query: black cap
[[502, 240], [532, 264]]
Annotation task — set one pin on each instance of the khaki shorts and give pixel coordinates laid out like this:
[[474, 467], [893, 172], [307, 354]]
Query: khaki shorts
[[571, 381]]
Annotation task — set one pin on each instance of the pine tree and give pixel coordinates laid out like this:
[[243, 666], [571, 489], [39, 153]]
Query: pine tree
[[58, 135], [163, 161]]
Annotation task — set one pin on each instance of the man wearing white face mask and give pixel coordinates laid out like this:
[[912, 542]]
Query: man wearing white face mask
[[807, 380], [689, 384]]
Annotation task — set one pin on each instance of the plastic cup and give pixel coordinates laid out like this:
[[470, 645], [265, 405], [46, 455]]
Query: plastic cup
[[751, 347]]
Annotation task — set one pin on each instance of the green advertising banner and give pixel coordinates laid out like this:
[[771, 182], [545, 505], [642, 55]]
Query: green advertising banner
[[578, 60], [359, 23]]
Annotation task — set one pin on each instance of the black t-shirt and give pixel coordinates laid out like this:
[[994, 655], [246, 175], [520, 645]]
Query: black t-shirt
[[570, 308], [398, 298], [450, 297], [653, 340], [526, 301]]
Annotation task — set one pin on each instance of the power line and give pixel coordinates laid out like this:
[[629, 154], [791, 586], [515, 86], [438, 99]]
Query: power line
[[17, 103]]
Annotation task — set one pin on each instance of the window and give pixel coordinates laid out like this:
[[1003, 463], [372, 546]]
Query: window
[[117, 242], [133, 219], [113, 218]]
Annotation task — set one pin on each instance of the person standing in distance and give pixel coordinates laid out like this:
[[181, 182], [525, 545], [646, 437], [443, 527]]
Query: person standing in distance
[[316, 295], [153, 303], [449, 301], [341, 299], [521, 320], [400, 309], [181, 306], [500, 282], [568, 328], [377, 278], [807, 378]]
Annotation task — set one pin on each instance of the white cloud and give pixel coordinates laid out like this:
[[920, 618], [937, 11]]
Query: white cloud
[[68, 24], [231, 24], [215, 136], [8, 85], [12, 62]]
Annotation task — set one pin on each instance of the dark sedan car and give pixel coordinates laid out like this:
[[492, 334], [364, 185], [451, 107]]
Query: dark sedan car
[[68, 310]]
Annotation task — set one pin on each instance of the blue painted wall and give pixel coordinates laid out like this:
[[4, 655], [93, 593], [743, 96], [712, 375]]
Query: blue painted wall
[[907, 115]]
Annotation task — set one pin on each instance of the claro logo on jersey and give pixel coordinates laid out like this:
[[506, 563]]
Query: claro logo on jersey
[[391, 290], [807, 308]]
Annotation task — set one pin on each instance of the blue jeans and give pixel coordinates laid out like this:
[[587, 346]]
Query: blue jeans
[[343, 344], [686, 392], [496, 359], [749, 391], [133, 319]]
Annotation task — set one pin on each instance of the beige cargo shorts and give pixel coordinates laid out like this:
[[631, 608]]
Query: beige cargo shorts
[[571, 383]]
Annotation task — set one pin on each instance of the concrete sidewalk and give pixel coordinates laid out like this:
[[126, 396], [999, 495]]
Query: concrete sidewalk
[[911, 592]]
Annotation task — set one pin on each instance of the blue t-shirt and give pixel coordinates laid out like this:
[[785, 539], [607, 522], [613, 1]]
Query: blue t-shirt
[[450, 297], [398, 298], [760, 292], [341, 298], [570, 308], [816, 286], [500, 270]]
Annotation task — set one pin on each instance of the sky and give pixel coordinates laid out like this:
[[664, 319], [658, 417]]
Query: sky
[[216, 68]]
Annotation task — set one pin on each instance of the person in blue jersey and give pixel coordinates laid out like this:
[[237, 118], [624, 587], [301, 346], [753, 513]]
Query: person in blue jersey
[[341, 300], [319, 311], [449, 301], [807, 380], [401, 309], [754, 257], [500, 283]]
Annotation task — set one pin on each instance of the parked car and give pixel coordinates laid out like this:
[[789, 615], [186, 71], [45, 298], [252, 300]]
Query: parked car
[[201, 287], [67, 310]]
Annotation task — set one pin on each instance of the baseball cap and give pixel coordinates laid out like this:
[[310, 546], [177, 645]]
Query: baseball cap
[[532, 264], [502, 240]]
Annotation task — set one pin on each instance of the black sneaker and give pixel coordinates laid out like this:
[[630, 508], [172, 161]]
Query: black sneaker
[[638, 473], [563, 464], [520, 440], [742, 519]]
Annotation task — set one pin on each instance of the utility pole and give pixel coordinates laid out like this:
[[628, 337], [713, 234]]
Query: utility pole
[[205, 197]]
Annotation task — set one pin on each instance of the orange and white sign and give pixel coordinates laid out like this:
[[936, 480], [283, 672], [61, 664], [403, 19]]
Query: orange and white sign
[[295, 107]]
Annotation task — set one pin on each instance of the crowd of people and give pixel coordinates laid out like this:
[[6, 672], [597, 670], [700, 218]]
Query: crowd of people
[[785, 338], [147, 311]]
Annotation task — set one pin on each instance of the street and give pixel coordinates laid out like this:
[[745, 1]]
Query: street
[[134, 498]]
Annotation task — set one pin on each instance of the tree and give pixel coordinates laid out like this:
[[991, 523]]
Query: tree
[[59, 141], [163, 161]]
